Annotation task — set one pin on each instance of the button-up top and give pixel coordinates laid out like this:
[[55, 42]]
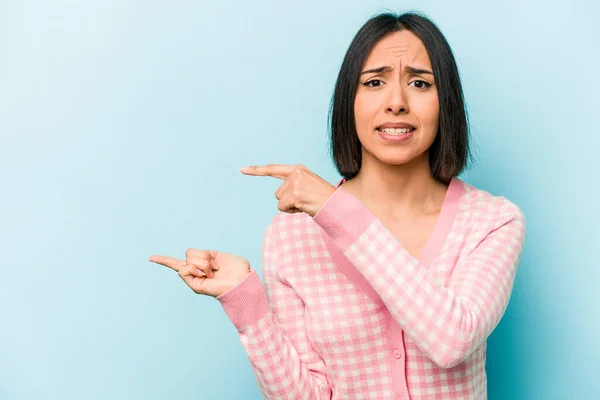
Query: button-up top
[[345, 312]]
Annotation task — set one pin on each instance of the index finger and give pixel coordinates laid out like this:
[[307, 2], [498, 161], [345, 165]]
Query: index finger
[[170, 262], [280, 171]]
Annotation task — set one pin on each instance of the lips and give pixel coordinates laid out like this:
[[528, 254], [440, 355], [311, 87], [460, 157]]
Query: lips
[[396, 125]]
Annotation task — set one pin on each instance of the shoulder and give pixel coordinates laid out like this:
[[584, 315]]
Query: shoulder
[[483, 207], [289, 241]]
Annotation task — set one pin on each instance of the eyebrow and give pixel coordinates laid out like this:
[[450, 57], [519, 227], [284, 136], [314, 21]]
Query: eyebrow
[[388, 68]]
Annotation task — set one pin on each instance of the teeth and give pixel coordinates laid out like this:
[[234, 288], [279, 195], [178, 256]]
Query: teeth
[[393, 131]]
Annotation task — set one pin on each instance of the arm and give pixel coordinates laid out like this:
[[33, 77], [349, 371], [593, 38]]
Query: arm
[[446, 323], [270, 323]]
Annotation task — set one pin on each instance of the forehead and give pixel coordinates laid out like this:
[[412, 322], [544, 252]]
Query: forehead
[[403, 46]]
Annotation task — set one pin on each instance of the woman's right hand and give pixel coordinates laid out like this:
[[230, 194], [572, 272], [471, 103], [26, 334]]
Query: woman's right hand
[[208, 272]]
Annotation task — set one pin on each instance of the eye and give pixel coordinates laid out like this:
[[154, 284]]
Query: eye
[[421, 84], [373, 83]]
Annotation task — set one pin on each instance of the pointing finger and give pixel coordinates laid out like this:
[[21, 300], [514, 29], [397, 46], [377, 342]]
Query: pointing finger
[[170, 262], [280, 171]]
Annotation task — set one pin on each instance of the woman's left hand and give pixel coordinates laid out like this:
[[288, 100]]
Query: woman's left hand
[[302, 189]]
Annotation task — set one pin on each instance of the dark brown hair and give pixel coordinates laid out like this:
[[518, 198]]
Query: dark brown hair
[[449, 153]]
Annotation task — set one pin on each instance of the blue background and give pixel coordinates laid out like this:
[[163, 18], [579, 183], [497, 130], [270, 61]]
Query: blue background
[[122, 125]]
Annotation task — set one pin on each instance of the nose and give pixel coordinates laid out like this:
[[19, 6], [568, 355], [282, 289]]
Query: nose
[[397, 102]]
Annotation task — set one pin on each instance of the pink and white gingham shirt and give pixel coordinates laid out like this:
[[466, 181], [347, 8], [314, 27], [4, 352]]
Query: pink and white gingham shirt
[[347, 313]]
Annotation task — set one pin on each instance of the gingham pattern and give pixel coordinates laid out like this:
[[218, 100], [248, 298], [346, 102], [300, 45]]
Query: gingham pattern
[[323, 338]]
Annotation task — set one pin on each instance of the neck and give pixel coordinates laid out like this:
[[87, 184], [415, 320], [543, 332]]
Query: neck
[[398, 189]]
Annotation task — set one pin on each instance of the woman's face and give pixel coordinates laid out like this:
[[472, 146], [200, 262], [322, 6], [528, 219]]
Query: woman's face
[[396, 89]]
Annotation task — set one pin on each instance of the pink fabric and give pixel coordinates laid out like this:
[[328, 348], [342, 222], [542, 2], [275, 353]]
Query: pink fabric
[[369, 321], [435, 242]]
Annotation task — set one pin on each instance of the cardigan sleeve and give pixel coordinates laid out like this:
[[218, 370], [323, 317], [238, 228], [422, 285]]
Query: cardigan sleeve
[[270, 324], [446, 323]]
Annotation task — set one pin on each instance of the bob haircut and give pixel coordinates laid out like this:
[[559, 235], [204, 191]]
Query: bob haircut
[[449, 153]]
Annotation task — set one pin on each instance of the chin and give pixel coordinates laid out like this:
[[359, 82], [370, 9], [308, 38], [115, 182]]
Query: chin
[[395, 160], [393, 156]]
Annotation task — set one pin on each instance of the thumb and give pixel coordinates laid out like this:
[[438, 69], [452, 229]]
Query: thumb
[[213, 253]]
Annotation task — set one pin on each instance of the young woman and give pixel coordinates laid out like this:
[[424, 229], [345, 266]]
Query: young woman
[[387, 285]]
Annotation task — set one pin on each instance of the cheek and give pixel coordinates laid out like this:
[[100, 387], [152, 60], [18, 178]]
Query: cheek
[[365, 110], [428, 111]]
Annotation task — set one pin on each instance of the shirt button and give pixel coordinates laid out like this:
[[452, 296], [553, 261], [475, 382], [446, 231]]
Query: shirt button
[[397, 353]]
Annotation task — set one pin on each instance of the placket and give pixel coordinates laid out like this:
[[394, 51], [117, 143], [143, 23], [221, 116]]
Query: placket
[[397, 356]]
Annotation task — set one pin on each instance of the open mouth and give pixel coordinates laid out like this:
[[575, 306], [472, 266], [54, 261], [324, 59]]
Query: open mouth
[[396, 131]]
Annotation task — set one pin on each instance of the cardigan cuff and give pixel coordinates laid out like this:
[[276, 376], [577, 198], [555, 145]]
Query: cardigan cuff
[[246, 303], [344, 218]]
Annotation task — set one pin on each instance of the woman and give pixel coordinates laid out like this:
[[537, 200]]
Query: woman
[[387, 285]]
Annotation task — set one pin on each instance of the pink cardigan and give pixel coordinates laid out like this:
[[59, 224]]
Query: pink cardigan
[[347, 313]]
